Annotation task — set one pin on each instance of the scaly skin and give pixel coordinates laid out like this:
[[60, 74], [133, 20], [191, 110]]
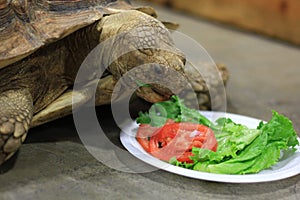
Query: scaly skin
[[16, 114], [149, 44]]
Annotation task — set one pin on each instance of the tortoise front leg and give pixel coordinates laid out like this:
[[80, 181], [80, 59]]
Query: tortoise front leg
[[16, 108]]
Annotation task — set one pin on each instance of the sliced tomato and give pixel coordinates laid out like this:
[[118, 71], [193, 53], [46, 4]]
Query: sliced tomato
[[144, 134], [177, 139]]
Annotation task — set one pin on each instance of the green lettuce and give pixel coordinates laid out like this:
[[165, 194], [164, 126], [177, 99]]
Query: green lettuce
[[172, 109], [270, 139]]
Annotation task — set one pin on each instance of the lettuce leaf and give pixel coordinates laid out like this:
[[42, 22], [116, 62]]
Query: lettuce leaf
[[172, 109], [244, 156]]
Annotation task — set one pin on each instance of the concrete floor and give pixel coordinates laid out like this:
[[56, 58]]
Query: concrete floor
[[53, 164]]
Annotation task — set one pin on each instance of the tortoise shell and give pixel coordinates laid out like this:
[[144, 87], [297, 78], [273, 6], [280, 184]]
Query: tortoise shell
[[27, 25]]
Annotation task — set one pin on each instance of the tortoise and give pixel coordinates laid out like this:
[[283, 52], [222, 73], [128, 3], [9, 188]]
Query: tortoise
[[43, 44]]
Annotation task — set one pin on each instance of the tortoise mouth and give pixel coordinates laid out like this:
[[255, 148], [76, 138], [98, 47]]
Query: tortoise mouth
[[162, 91], [152, 94], [158, 81]]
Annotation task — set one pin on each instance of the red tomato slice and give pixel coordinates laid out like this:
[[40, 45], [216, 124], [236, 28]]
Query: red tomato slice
[[144, 134], [177, 139]]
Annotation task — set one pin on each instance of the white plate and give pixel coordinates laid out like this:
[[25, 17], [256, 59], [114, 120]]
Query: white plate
[[287, 166]]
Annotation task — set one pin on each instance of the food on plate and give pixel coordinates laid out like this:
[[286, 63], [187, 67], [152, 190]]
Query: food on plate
[[176, 139], [182, 136]]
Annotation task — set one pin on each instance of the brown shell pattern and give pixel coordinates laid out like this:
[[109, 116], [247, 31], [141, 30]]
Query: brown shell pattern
[[27, 25]]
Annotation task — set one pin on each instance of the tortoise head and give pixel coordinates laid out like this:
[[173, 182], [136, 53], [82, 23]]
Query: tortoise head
[[143, 54]]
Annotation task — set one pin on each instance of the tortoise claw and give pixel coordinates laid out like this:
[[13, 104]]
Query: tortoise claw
[[12, 135], [15, 117]]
